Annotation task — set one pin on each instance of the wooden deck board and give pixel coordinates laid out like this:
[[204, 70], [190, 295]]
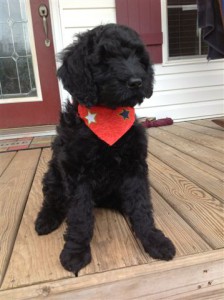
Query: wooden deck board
[[211, 142], [185, 239], [201, 153], [207, 123], [113, 245], [202, 211], [187, 194], [202, 129], [35, 258], [5, 159], [14, 189], [190, 167], [184, 275]]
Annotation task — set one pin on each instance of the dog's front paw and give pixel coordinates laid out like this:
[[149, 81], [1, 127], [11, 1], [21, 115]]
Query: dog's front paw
[[159, 246], [73, 261], [46, 224]]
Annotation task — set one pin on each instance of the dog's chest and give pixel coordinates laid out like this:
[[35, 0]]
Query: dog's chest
[[92, 160], [106, 163], [103, 165], [107, 172]]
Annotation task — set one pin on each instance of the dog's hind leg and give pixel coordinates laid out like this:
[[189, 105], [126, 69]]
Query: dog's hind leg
[[80, 221], [54, 207], [137, 206]]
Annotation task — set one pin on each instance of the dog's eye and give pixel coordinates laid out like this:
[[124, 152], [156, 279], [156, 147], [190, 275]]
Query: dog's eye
[[139, 51], [126, 52], [144, 62], [143, 57], [106, 52]]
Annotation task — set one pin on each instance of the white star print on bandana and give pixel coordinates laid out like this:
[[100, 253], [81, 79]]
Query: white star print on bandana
[[91, 118]]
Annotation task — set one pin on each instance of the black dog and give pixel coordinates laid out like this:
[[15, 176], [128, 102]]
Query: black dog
[[106, 67]]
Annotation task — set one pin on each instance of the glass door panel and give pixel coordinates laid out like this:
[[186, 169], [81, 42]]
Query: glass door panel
[[17, 57]]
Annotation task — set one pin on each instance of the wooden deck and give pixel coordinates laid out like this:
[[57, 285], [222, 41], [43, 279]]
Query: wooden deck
[[186, 163]]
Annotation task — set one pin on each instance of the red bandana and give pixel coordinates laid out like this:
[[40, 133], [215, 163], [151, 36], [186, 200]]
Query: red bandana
[[108, 124]]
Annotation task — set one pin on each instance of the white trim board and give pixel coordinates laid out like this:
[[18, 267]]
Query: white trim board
[[184, 112], [36, 131]]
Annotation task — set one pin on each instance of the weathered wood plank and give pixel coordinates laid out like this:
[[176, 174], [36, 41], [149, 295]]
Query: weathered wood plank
[[202, 153], [207, 123], [15, 185], [211, 142], [211, 290], [113, 245], [203, 212], [5, 159], [185, 239], [111, 232], [149, 281], [201, 129], [208, 178], [36, 259], [188, 215]]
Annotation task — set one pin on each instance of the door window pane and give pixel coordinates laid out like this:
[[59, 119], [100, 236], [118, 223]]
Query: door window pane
[[16, 69], [8, 77], [185, 40]]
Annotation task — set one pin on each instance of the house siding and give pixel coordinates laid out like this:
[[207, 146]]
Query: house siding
[[79, 16], [183, 90]]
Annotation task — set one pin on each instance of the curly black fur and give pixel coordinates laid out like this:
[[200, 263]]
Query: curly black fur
[[98, 69]]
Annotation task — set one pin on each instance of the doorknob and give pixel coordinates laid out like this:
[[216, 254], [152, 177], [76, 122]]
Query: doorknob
[[43, 12]]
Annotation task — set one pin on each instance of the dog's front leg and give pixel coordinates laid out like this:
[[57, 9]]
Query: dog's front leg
[[76, 253], [137, 206]]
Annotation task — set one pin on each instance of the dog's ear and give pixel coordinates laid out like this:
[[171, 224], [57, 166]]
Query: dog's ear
[[75, 71]]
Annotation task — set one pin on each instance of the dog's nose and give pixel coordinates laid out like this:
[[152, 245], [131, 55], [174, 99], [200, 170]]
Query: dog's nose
[[134, 82]]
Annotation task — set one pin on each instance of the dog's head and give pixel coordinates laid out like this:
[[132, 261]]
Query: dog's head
[[108, 66]]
